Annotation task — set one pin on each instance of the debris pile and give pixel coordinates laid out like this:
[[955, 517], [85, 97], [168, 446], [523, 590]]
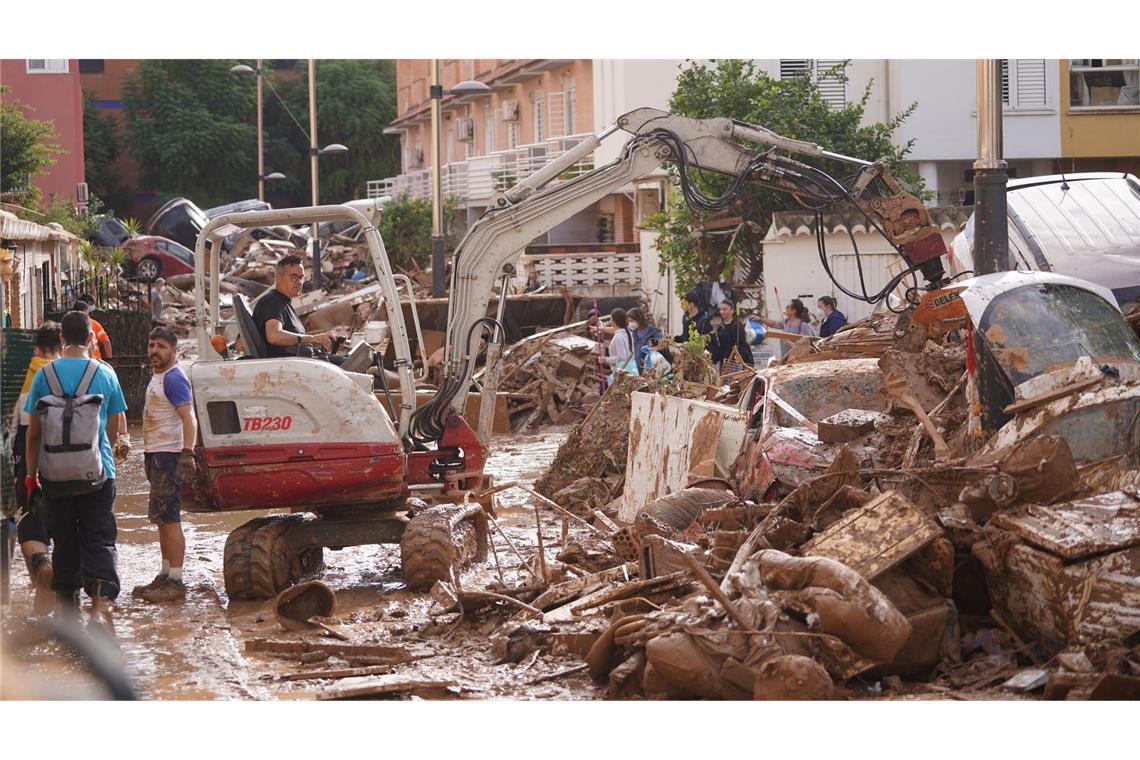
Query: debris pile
[[552, 378]]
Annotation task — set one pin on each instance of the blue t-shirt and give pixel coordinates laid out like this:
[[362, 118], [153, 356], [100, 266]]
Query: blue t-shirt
[[105, 383]]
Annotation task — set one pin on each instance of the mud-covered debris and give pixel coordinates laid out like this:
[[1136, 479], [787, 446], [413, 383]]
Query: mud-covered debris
[[596, 447], [848, 425]]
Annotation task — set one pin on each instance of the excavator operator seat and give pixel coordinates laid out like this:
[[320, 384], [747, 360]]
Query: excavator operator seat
[[250, 335]]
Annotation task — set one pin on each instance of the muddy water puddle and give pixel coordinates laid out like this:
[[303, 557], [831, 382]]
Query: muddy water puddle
[[196, 649]]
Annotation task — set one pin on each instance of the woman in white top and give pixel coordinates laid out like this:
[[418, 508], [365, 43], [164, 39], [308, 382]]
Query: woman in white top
[[621, 345]]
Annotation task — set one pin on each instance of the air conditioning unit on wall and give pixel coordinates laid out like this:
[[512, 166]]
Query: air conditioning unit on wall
[[510, 110], [465, 129]]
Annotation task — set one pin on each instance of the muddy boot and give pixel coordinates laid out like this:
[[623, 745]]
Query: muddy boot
[[101, 615], [67, 605], [158, 581], [102, 609], [167, 590], [41, 573]]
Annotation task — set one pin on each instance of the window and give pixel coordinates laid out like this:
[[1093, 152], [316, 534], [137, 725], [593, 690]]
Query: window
[[512, 135], [47, 65], [489, 132], [828, 74], [1104, 82], [571, 104], [539, 118], [91, 66], [223, 417], [1023, 83]]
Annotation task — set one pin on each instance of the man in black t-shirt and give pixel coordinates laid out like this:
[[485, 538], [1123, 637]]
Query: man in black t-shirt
[[277, 320]]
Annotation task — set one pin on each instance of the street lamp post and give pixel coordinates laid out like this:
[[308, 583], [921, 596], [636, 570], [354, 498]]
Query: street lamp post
[[991, 247], [261, 176], [469, 87], [314, 153]]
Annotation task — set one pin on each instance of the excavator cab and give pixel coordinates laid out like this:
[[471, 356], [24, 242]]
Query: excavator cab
[[306, 435]]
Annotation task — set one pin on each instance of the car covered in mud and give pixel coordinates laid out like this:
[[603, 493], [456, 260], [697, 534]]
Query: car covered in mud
[[1037, 353], [1083, 225]]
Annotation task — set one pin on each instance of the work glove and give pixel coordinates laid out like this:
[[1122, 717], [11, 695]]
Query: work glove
[[187, 466], [122, 448], [31, 483]]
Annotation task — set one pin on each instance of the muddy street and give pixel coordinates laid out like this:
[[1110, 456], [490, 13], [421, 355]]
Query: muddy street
[[197, 649]]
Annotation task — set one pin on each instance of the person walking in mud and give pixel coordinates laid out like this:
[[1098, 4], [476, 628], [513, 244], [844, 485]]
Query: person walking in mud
[[170, 431], [77, 462], [31, 523]]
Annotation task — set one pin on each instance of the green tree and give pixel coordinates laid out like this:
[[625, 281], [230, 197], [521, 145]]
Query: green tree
[[405, 228], [356, 99], [790, 107], [101, 146], [29, 147], [190, 125]]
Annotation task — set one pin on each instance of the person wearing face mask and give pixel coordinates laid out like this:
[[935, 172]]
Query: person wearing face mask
[[730, 334], [644, 334]]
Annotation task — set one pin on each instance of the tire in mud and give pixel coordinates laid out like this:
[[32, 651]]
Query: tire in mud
[[259, 561], [441, 540]]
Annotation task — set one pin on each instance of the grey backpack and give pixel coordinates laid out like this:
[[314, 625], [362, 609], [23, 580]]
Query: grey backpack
[[70, 458]]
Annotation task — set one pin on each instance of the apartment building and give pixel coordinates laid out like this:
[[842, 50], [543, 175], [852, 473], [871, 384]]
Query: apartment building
[[50, 86], [537, 109]]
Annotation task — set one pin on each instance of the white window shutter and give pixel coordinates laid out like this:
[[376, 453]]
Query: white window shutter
[[832, 89], [1030, 82], [793, 67]]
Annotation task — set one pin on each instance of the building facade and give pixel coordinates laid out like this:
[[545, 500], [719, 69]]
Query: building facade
[[51, 89]]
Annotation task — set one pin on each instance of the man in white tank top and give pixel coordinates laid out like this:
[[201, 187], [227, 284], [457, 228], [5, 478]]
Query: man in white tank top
[[169, 434]]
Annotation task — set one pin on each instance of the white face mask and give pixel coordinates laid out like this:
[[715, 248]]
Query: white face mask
[[634, 326]]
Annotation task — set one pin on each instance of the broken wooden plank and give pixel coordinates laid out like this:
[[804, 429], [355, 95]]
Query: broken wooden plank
[[268, 646], [1078, 528], [312, 675], [391, 684], [1020, 406], [877, 537], [569, 590]]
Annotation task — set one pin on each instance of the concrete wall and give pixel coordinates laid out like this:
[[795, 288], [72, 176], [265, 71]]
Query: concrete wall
[[57, 98], [944, 127], [624, 84]]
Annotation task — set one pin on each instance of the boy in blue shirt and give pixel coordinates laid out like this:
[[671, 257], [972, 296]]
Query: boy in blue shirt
[[82, 525]]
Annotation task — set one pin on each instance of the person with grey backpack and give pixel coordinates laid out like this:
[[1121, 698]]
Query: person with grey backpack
[[76, 407]]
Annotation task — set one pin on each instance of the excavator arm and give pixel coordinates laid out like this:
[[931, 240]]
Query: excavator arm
[[489, 251]]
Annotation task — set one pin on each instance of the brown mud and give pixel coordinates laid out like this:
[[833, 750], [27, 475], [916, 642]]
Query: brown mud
[[197, 649]]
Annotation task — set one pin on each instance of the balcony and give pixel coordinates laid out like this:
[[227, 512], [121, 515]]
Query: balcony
[[474, 180]]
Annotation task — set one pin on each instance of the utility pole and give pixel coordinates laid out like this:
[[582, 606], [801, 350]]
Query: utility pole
[[991, 235], [437, 266], [313, 153]]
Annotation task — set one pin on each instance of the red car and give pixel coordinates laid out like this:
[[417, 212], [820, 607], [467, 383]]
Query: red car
[[150, 257]]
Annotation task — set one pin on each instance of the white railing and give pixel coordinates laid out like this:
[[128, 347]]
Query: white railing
[[476, 179]]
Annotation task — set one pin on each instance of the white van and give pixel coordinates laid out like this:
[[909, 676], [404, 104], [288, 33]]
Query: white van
[[1083, 225]]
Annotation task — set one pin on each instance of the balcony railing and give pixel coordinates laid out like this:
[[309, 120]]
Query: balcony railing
[[476, 179]]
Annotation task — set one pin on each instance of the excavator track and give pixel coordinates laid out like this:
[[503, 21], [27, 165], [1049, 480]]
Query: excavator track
[[259, 561], [442, 540]]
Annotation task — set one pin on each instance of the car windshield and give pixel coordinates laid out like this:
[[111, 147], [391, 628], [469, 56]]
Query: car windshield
[[1038, 328]]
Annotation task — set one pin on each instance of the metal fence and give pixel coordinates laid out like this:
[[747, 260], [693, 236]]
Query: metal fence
[[109, 292]]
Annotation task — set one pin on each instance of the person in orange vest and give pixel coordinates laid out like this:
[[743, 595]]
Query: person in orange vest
[[102, 348]]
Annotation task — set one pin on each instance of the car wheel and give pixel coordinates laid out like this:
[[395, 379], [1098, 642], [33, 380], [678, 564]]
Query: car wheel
[[149, 269]]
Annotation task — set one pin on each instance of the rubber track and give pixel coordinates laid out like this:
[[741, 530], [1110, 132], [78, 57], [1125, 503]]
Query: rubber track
[[256, 562], [442, 538]]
